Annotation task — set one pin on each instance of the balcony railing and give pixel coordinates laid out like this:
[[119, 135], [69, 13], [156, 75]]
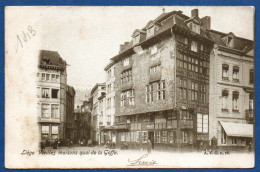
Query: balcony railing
[[186, 124]]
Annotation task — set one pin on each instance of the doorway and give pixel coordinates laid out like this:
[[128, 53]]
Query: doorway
[[151, 138]]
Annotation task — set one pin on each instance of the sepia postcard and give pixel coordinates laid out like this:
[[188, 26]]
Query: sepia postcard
[[129, 87]]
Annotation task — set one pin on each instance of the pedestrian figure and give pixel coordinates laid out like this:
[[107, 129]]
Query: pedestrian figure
[[149, 146], [47, 143], [55, 145], [42, 146]]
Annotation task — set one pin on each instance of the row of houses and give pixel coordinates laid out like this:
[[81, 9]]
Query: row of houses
[[179, 84]]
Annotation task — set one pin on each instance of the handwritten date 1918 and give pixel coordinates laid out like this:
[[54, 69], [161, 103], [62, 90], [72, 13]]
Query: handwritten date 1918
[[24, 37]]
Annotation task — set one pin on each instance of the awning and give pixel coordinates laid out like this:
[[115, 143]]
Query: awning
[[238, 129]]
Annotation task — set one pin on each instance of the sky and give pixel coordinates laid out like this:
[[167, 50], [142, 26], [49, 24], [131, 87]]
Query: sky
[[87, 37]]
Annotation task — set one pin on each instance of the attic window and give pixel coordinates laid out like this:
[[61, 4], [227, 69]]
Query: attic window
[[45, 61], [136, 39]]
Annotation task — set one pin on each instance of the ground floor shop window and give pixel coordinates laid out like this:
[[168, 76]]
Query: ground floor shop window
[[234, 140], [128, 136], [135, 136], [54, 132], [164, 136], [184, 136], [144, 136], [171, 136], [45, 131], [122, 137]]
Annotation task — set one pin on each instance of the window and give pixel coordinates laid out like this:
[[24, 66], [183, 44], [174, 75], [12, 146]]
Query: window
[[202, 123], [205, 123], [38, 92], [203, 93], [48, 78], [54, 132], [184, 136], [131, 97], [184, 114], [126, 76], [58, 78], [224, 100], [172, 137], [126, 61], [154, 69], [101, 119], [251, 101], [223, 136], [43, 77], [38, 109], [194, 91], [45, 131], [127, 96], [144, 136], [127, 135], [164, 136], [122, 101], [183, 88], [225, 68], [235, 73], [201, 47], [54, 93], [38, 77], [149, 93], [55, 111], [163, 90], [186, 41], [45, 111], [234, 140], [251, 76], [194, 46], [235, 101], [53, 78], [158, 91]]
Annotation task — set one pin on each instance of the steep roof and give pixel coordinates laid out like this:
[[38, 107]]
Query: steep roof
[[240, 44], [51, 60], [178, 21]]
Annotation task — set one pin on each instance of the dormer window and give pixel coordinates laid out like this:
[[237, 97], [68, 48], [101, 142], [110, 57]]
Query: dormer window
[[194, 27], [151, 27], [137, 36], [229, 40], [136, 40]]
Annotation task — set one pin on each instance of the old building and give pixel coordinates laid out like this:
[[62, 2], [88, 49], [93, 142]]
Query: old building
[[162, 83], [51, 87], [110, 130], [70, 99], [231, 90], [97, 114]]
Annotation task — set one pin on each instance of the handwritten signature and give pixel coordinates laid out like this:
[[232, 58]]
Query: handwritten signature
[[141, 162]]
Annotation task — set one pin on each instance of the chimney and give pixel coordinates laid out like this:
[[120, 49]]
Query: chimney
[[121, 47], [194, 13], [206, 22]]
